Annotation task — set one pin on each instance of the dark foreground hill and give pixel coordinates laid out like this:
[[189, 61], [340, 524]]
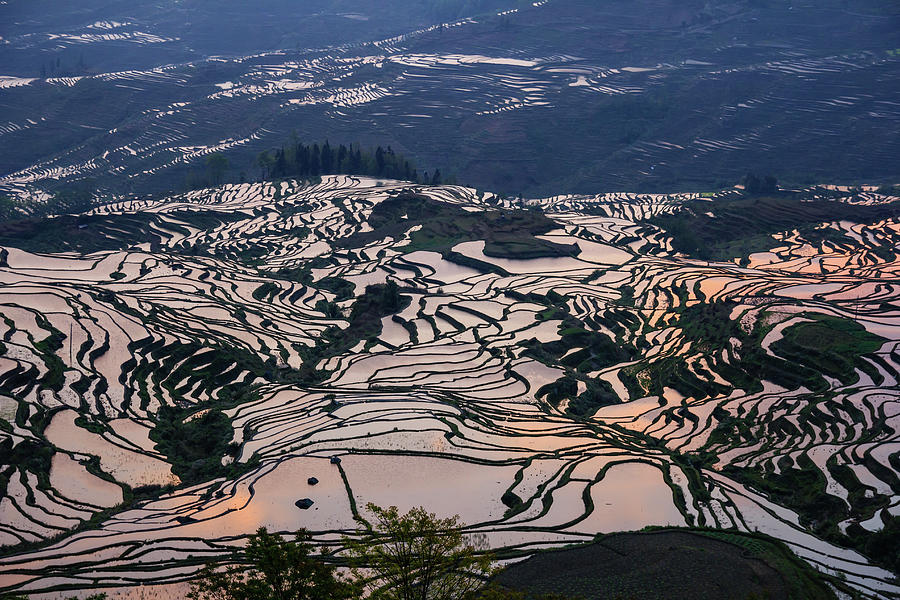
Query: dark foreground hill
[[672, 564]]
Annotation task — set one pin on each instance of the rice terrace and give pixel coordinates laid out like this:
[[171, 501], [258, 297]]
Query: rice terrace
[[242, 337], [219, 327]]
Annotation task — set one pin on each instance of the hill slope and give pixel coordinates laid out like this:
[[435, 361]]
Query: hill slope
[[551, 97]]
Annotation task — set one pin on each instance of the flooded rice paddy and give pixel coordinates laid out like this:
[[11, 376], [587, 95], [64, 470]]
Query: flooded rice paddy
[[471, 401]]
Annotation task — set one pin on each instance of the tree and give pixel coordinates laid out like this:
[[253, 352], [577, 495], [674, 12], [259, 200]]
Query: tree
[[752, 184], [73, 198], [280, 168], [755, 185], [379, 161], [216, 165], [265, 162], [9, 208], [416, 556], [315, 163], [327, 159], [342, 161], [278, 570]]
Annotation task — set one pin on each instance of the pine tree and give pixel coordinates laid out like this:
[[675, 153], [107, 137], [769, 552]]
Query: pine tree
[[327, 159], [379, 161], [342, 159], [315, 161], [280, 169]]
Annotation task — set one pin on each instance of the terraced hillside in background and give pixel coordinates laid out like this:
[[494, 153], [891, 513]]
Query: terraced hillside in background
[[533, 98], [173, 370]]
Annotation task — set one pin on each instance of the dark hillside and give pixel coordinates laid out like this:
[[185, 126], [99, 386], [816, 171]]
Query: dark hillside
[[670, 565], [568, 96]]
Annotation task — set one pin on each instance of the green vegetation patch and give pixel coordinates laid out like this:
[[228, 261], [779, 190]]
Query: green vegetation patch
[[195, 446], [883, 546], [342, 288], [829, 345], [28, 455], [580, 350], [801, 488], [69, 199], [47, 348], [378, 301], [592, 350], [727, 229], [95, 233], [507, 233]]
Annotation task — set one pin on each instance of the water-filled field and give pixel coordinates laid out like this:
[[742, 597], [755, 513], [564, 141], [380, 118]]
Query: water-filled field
[[174, 370]]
